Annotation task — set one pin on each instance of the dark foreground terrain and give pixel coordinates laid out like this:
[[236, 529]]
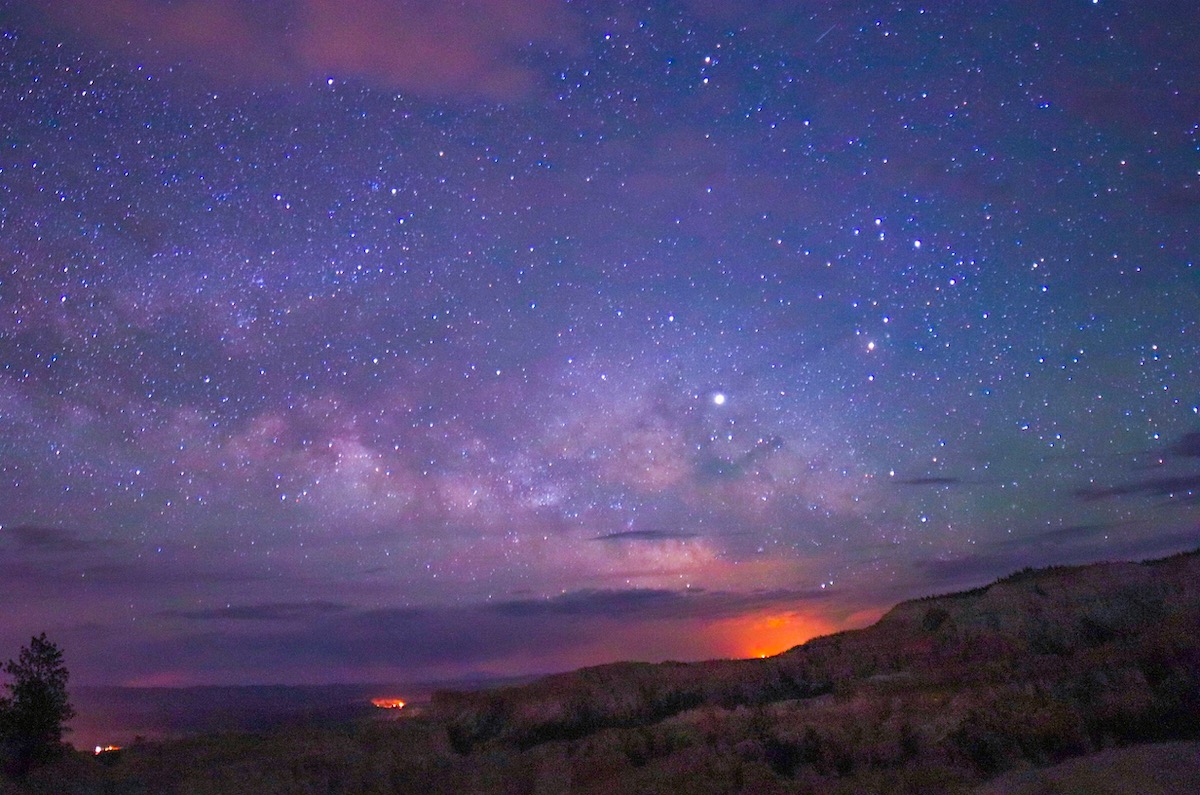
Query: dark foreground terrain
[[1045, 681]]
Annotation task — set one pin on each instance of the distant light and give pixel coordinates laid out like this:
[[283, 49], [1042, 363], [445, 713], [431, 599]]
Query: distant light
[[106, 749], [718, 399], [387, 703]]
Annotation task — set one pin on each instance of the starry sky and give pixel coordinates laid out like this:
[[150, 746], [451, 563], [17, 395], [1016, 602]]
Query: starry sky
[[369, 340]]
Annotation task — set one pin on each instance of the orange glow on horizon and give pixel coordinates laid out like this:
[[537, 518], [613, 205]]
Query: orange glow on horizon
[[106, 749], [767, 634], [388, 703]]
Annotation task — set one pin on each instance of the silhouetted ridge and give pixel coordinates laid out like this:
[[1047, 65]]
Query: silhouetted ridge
[[1059, 627]]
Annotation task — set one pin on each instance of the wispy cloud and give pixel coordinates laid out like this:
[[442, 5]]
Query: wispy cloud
[[275, 611], [38, 537], [1182, 487], [646, 535], [1188, 446], [657, 603]]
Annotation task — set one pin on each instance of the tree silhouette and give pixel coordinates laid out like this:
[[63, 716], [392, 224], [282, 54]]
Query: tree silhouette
[[33, 714]]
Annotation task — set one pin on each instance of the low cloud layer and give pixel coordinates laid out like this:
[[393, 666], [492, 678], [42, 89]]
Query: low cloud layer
[[329, 642]]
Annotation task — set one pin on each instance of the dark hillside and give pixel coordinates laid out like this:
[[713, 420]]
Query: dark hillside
[[1070, 632]]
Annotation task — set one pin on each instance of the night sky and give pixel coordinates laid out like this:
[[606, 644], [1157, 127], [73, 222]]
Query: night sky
[[369, 340]]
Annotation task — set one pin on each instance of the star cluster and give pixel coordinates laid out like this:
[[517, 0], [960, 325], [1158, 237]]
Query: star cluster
[[360, 339]]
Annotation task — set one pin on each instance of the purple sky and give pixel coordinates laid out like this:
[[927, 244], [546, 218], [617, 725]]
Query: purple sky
[[369, 340]]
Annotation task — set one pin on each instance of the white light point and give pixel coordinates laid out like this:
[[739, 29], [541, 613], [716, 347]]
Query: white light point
[[718, 399]]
